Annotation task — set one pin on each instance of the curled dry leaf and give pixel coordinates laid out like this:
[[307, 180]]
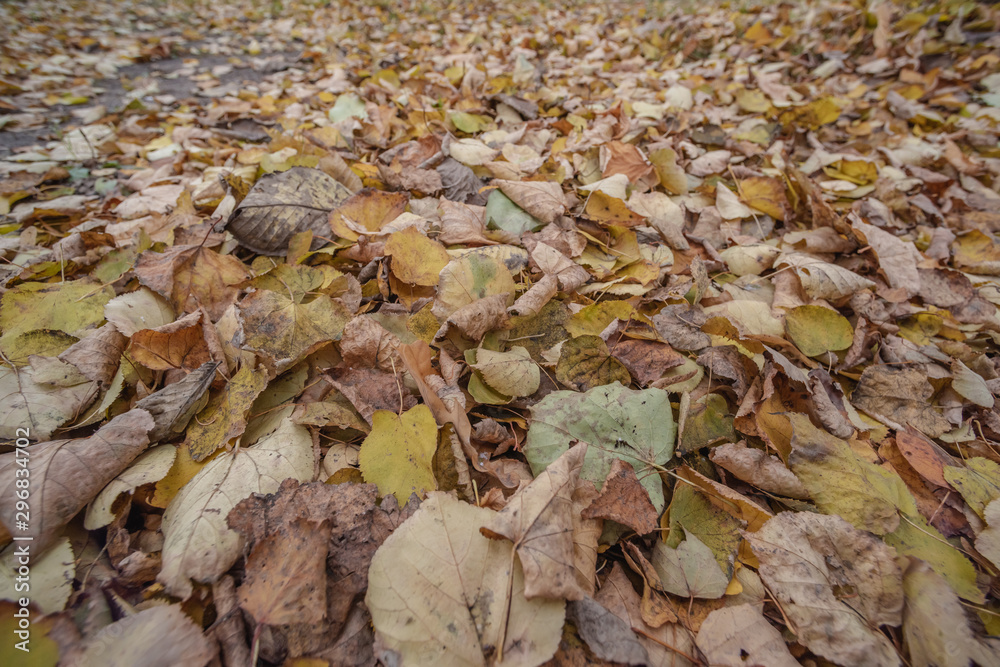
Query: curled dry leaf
[[173, 406], [149, 467], [542, 199], [757, 467], [66, 474], [98, 355], [539, 521], [823, 280]]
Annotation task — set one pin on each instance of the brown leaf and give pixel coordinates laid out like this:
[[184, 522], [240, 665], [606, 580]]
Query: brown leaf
[[98, 355], [178, 345], [285, 579], [539, 521], [542, 199], [608, 636], [283, 204], [899, 396], [367, 344], [191, 277], [680, 325], [173, 406], [161, 635], [835, 583], [68, 474], [370, 389], [478, 318], [669, 645], [925, 456], [726, 361], [462, 224], [460, 183], [623, 499], [531, 302], [756, 467], [740, 635], [646, 360]]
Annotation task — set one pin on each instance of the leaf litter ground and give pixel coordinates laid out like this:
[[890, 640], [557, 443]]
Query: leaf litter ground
[[507, 334]]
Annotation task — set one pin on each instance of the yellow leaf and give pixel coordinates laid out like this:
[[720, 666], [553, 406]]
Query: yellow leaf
[[816, 330], [398, 455], [416, 259], [767, 195], [758, 34]]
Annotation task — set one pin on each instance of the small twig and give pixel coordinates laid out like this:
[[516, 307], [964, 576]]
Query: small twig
[[667, 646]]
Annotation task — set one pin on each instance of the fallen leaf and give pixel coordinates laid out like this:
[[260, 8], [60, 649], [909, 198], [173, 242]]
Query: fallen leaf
[[287, 325], [193, 277], [173, 406], [511, 373], [756, 467], [141, 309], [978, 481], [52, 573], [608, 636], [147, 468], [416, 259], [197, 543], [178, 345], [503, 214], [669, 645], [899, 396], [539, 522], [734, 636], [397, 456], [475, 275], [226, 418], [160, 635], [689, 570], [585, 363], [816, 330], [283, 204], [836, 584], [934, 623], [66, 474], [623, 499], [39, 407], [440, 592], [616, 422], [823, 280]]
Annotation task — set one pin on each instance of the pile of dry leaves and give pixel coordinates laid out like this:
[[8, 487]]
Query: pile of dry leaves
[[499, 333]]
